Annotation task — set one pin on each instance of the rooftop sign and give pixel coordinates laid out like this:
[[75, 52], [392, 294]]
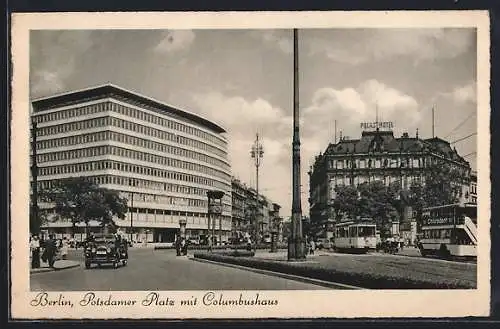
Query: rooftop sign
[[376, 125]]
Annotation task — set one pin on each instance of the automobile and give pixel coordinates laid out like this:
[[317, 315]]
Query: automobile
[[106, 249], [194, 242], [323, 243]]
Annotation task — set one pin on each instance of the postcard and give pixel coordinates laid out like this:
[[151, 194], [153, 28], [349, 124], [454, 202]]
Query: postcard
[[250, 165]]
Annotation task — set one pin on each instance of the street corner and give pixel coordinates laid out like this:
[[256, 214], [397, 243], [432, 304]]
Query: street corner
[[58, 266]]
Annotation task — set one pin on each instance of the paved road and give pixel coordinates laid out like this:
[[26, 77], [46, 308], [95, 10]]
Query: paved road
[[160, 270]]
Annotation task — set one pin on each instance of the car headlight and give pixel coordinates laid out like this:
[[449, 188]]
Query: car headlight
[[108, 249], [93, 250]]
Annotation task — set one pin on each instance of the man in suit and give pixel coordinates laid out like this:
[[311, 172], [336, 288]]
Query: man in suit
[[50, 250]]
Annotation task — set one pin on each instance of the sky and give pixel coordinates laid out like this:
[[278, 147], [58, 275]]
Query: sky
[[243, 80]]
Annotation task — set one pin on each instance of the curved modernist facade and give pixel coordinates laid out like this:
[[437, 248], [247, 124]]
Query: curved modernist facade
[[161, 158]]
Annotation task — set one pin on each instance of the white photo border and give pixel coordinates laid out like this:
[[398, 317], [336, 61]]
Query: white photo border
[[292, 304]]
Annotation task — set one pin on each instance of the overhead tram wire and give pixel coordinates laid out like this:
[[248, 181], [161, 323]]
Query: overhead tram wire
[[463, 138], [460, 124], [469, 154]]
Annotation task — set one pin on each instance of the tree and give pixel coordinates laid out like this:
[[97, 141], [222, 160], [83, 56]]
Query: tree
[[377, 201], [346, 201], [80, 200]]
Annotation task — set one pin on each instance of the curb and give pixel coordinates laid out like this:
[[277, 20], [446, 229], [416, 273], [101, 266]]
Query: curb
[[303, 279], [48, 269]]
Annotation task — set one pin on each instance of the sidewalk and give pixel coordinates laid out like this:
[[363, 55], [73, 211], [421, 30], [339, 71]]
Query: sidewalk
[[58, 265]]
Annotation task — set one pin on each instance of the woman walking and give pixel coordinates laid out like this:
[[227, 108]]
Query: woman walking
[[35, 251], [64, 248]]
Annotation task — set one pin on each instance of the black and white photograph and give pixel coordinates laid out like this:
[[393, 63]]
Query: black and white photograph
[[184, 166]]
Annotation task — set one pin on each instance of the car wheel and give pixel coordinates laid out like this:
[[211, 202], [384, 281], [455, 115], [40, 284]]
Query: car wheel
[[99, 265], [124, 262], [87, 265], [115, 264]]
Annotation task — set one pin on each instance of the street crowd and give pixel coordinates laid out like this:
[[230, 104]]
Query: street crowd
[[47, 251]]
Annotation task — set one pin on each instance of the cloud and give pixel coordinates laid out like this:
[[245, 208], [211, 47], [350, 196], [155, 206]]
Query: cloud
[[349, 107], [239, 113], [274, 38], [243, 118], [424, 44], [464, 94], [54, 57], [175, 40]]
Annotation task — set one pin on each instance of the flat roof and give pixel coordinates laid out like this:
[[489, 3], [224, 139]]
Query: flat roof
[[110, 90]]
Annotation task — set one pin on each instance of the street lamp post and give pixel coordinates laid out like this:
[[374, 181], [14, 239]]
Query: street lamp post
[[257, 152], [34, 224], [296, 246], [131, 211]]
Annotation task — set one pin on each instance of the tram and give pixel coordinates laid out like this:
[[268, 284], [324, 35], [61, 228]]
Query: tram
[[355, 237], [449, 231]]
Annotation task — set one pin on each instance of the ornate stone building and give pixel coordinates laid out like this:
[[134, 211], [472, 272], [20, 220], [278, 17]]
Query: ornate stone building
[[378, 156]]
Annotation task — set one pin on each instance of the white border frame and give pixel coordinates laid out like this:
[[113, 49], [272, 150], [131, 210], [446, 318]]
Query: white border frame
[[292, 304]]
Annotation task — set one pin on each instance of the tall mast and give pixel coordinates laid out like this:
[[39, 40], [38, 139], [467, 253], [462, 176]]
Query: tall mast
[[296, 247]]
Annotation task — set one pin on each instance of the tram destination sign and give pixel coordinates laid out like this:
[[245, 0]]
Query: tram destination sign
[[438, 221], [377, 125]]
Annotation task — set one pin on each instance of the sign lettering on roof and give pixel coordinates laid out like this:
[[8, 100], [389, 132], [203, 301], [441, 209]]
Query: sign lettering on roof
[[375, 125]]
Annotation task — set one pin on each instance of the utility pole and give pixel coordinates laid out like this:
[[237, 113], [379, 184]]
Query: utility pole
[[335, 141], [296, 245], [433, 122], [35, 223], [257, 152]]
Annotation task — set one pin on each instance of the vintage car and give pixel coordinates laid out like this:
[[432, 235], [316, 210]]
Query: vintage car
[[106, 249]]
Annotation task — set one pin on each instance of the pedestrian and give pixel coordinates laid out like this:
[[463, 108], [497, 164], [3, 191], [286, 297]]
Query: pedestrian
[[50, 250], [178, 245], [35, 251], [312, 247], [183, 246], [64, 248]]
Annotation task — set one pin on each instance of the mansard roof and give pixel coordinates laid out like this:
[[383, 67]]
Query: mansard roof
[[384, 141]]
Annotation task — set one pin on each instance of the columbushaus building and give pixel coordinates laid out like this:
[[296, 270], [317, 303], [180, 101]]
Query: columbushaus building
[[378, 156], [163, 159]]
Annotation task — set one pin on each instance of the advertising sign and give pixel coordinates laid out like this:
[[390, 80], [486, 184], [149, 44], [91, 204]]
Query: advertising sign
[[377, 125]]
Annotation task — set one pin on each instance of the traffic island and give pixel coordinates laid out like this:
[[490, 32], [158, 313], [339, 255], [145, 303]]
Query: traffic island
[[354, 272], [58, 265]]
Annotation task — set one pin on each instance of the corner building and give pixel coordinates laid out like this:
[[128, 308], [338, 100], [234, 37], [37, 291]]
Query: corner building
[[163, 159], [379, 156]]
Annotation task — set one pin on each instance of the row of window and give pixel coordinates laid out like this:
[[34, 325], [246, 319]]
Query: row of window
[[124, 124], [354, 232], [130, 112], [349, 180], [130, 140], [103, 165], [437, 234], [143, 197], [164, 216], [133, 155], [127, 167], [419, 162]]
